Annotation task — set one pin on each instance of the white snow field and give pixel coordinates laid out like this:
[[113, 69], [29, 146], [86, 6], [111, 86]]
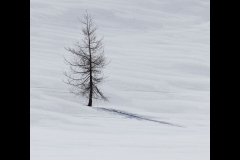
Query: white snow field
[[158, 81]]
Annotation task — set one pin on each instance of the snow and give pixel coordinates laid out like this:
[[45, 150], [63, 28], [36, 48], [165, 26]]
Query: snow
[[158, 81]]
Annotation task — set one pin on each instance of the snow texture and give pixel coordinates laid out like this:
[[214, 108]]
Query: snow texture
[[158, 81]]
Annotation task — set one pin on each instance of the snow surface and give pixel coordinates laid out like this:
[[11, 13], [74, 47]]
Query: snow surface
[[158, 84]]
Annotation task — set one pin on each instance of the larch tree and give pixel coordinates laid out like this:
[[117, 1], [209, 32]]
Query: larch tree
[[86, 66]]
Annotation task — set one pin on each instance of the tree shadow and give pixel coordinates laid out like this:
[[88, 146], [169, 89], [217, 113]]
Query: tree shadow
[[134, 116]]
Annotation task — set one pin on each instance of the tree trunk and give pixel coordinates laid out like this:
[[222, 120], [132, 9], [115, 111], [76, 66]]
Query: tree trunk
[[90, 102], [91, 83], [91, 90]]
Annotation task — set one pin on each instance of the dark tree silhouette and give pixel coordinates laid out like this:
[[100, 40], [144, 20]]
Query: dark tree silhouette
[[86, 66]]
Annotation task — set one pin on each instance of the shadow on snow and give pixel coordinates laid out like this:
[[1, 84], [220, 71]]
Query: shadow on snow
[[134, 116]]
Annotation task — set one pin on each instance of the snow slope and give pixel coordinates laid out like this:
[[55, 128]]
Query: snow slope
[[159, 81]]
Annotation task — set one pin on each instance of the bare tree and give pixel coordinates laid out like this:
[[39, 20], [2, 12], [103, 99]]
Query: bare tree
[[88, 61]]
